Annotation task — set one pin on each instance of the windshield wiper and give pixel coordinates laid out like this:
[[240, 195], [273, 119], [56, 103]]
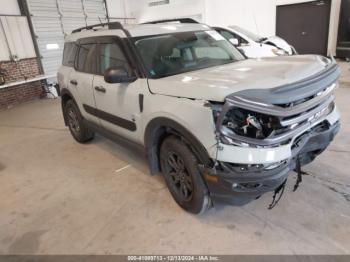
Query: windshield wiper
[[262, 39]]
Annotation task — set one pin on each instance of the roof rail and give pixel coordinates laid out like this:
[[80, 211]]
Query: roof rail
[[113, 25], [180, 20]]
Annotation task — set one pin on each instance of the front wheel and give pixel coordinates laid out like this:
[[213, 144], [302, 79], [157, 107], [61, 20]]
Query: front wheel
[[180, 170]]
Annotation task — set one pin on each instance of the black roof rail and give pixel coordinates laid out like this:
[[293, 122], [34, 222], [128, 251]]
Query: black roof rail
[[112, 25], [180, 20]]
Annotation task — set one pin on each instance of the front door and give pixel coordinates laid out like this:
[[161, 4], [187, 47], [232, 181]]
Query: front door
[[117, 104], [305, 26]]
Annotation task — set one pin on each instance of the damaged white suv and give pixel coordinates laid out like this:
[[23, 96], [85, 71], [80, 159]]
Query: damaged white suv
[[219, 127]]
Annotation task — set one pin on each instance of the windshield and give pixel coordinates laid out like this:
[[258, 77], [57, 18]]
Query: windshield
[[172, 54], [254, 37]]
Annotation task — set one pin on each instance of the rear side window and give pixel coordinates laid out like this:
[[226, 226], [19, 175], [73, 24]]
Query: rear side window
[[69, 53], [111, 56], [86, 60]]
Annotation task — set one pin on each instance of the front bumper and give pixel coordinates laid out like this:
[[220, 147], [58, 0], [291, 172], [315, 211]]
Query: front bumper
[[238, 186]]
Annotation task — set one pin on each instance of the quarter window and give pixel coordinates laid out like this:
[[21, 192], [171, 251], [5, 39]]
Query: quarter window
[[69, 53]]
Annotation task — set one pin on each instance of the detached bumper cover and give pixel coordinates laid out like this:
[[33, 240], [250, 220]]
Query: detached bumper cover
[[238, 187]]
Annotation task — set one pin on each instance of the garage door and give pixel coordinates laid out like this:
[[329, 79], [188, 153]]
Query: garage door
[[305, 26], [343, 49], [53, 19]]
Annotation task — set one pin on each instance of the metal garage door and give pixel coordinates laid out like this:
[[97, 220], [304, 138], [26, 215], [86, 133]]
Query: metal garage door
[[343, 49], [53, 19], [305, 26]]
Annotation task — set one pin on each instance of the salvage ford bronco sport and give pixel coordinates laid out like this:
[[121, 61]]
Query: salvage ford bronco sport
[[218, 126]]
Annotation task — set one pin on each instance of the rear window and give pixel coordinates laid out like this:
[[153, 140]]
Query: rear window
[[69, 53], [86, 59]]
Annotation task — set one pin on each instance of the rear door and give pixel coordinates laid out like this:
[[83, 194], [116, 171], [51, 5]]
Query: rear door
[[81, 78]]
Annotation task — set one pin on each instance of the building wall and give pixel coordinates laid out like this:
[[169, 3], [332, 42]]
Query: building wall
[[16, 43], [176, 8], [258, 16], [15, 95], [15, 39], [23, 69], [9, 7], [116, 8], [140, 10], [18, 71]]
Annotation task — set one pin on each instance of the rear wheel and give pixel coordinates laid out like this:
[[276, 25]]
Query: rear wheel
[[78, 129], [180, 170]]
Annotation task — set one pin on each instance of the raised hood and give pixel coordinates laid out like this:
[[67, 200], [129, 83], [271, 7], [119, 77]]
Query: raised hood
[[216, 83], [280, 43]]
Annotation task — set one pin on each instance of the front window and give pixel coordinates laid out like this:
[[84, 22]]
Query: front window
[[177, 53]]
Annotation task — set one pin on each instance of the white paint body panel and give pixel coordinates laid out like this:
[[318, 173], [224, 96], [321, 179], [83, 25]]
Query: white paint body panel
[[182, 97], [216, 83], [280, 43], [258, 50], [121, 100]]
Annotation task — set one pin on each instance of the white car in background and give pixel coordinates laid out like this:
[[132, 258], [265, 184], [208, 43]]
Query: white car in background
[[255, 46]]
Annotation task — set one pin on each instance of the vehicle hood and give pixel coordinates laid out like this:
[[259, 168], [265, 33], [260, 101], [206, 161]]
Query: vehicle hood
[[280, 43], [216, 83]]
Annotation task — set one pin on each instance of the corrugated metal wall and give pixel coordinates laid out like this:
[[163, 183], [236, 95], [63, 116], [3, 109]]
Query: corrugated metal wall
[[15, 38], [4, 48], [53, 19]]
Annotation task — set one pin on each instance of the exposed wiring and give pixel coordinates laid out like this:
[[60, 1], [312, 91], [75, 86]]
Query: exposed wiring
[[217, 136]]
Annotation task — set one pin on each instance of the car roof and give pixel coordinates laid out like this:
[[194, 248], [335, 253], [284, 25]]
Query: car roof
[[139, 30], [164, 28]]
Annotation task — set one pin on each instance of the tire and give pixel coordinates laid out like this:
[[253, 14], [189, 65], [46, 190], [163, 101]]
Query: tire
[[77, 128], [180, 170]]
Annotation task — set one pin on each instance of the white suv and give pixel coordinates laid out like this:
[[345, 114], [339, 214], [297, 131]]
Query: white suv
[[219, 127], [255, 46]]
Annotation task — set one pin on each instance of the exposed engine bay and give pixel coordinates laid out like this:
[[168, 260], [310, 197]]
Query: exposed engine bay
[[251, 124]]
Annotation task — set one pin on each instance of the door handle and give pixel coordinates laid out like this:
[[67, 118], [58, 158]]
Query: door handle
[[100, 89], [74, 82]]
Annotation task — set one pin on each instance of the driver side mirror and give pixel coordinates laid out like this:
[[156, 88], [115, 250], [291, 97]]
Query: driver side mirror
[[234, 41], [115, 75]]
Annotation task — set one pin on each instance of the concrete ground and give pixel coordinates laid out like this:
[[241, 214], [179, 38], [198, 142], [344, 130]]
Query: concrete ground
[[345, 78], [61, 197]]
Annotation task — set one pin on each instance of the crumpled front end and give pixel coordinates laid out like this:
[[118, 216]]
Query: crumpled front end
[[264, 134]]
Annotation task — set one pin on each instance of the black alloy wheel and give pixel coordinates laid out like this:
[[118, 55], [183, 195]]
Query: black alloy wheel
[[77, 127], [179, 167], [180, 179]]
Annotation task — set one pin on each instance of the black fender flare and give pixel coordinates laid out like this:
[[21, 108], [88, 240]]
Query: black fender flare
[[158, 129], [65, 96]]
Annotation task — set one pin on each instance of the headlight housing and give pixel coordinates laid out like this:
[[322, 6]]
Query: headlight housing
[[279, 52], [250, 124]]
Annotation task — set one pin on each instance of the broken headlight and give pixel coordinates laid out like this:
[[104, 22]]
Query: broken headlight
[[250, 124]]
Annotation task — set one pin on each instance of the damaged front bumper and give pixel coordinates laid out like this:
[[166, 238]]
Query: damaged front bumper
[[240, 184], [304, 119]]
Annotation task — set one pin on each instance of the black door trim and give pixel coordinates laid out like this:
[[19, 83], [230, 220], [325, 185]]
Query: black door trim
[[129, 125]]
